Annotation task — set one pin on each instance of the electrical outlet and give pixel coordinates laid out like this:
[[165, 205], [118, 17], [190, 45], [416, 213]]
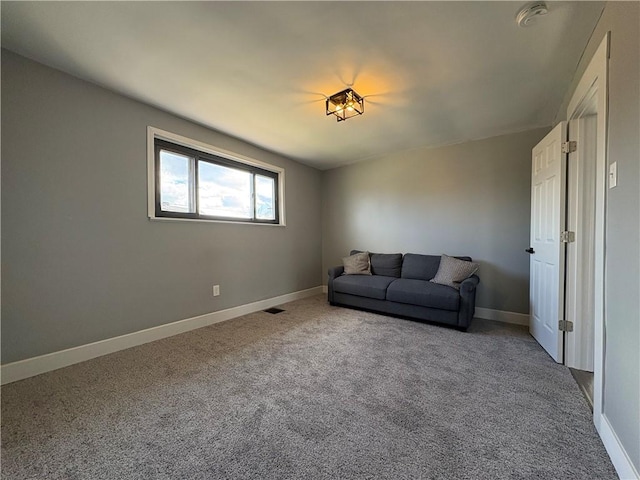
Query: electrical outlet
[[216, 290]]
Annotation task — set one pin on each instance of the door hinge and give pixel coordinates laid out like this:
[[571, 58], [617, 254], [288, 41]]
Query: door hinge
[[565, 326], [569, 147], [567, 237]]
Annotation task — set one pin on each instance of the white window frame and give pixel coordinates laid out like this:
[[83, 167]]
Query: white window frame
[[154, 133]]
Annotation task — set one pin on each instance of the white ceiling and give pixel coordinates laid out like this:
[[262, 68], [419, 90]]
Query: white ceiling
[[433, 73]]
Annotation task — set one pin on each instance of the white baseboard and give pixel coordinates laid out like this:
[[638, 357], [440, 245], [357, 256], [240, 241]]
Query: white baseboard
[[502, 316], [621, 461], [12, 372], [325, 289]]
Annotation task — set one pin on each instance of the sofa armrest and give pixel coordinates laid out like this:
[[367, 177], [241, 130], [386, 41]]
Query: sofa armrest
[[469, 285], [334, 272], [467, 300]]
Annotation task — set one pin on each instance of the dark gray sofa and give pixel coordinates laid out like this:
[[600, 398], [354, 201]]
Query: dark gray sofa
[[399, 285]]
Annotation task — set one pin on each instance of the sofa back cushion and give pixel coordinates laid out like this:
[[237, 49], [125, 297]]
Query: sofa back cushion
[[422, 267], [387, 264]]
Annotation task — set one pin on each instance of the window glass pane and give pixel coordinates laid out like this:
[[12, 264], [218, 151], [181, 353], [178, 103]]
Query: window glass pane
[[174, 183], [265, 198], [224, 191]]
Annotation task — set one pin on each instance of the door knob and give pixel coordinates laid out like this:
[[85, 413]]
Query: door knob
[[530, 250]]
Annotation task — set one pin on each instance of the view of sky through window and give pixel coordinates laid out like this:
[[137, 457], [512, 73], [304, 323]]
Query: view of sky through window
[[224, 191], [265, 198], [174, 182]]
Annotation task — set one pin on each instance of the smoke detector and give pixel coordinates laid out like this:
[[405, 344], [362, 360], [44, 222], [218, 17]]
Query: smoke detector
[[528, 14]]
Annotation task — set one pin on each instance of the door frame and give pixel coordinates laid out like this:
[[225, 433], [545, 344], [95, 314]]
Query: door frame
[[594, 82]]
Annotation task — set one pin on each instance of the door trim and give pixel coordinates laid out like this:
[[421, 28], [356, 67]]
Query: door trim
[[595, 81]]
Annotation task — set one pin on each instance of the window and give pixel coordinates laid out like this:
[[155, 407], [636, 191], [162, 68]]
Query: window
[[194, 181]]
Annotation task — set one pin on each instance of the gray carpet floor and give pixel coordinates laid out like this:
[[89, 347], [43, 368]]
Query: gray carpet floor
[[312, 392]]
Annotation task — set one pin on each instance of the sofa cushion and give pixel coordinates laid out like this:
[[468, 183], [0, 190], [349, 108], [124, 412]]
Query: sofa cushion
[[452, 271], [424, 293], [357, 264], [374, 286], [420, 267], [387, 264]]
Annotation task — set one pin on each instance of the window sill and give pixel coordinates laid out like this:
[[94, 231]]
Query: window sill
[[201, 220]]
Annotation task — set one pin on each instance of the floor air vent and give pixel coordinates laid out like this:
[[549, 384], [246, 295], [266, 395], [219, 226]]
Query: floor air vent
[[274, 310]]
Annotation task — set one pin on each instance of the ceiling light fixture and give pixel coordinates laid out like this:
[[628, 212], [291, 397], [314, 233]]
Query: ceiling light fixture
[[345, 104], [528, 14]]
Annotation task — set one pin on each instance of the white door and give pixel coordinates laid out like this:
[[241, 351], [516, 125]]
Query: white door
[[580, 254], [546, 291]]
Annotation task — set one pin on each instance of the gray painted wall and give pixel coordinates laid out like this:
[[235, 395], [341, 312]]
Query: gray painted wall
[[467, 199], [81, 261], [622, 290]]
